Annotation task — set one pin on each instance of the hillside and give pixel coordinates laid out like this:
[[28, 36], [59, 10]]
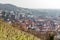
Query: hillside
[[10, 7], [7, 32]]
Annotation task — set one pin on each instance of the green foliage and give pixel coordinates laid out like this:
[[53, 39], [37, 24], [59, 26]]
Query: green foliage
[[7, 32]]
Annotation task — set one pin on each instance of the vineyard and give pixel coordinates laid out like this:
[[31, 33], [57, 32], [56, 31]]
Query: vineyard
[[7, 32]]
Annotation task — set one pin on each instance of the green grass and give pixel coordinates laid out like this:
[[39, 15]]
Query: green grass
[[7, 32]]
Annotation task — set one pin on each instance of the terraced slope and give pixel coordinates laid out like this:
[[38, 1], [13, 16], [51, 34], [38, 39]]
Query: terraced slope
[[7, 32]]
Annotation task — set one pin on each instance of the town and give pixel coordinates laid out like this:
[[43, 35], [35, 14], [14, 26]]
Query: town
[[37, 23], [28, 21]]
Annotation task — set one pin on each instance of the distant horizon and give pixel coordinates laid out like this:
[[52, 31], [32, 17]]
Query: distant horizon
[[31, 8], [34, 4]]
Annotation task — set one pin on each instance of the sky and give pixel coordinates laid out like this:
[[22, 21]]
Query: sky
[[34, 4]]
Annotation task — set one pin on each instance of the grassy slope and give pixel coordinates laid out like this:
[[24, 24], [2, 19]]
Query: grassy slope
[[7, 32]]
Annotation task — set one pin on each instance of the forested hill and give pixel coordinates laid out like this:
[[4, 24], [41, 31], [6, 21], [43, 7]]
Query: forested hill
[[14, 8]]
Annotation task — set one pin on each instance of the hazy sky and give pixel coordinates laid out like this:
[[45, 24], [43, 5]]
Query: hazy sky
[[45, 4]]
